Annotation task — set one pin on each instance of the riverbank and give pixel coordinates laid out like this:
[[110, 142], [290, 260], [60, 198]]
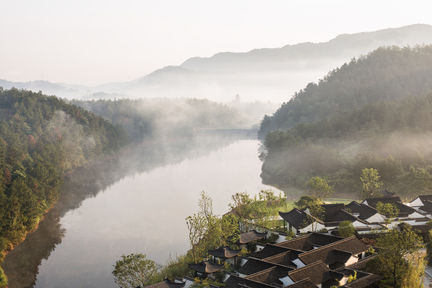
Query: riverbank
[[137, 173]]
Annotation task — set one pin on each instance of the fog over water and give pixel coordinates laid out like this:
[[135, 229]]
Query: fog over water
[[141, 213]]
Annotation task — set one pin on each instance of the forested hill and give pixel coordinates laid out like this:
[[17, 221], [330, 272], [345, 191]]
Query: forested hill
[[374, 112], [41, 139], [387, 74], [161, 117]]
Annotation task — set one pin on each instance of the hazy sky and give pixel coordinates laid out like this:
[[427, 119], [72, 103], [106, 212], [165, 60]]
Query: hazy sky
[[97, 41]]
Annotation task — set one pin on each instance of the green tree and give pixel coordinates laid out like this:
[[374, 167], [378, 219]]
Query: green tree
[[241, 205], [311, 203], [387, 209], [371, 183], [230, 231], [135, 270], [197, 228], [319, 187], [346, 229], [396, 260]]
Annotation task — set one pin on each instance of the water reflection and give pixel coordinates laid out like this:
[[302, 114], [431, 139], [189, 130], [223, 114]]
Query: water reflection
[[142, 209]]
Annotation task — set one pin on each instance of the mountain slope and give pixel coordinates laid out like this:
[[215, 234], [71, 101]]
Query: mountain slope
[[270, 74], [374, 112]]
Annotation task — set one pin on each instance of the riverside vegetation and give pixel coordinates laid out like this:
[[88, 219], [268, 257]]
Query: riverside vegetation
[[41, 139]]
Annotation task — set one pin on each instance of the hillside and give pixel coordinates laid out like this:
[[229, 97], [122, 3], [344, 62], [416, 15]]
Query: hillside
[[41, 139], [168, 117], [374, 111]]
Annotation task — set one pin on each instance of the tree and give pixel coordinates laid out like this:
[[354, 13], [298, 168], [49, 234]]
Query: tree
[[135, 270], [396, 260], [230, 231], [371, 183], [387, 209], [241, 205], [205, 205], [346, 229], [197, 227], [319, 187], [311, 203]]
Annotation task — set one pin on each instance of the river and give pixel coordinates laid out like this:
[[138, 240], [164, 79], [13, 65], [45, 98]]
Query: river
[[140, 212]]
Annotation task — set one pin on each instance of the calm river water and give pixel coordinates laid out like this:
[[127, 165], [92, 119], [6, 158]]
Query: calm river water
[[143, 212]]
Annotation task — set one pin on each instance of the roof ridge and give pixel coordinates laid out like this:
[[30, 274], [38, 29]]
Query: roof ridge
[[306, 266], [261, 272], [328, 246]]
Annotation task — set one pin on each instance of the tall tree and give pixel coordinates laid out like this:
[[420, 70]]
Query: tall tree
[[197, 227], [397, 257], [311, 203], [319, 187], [371, 183]]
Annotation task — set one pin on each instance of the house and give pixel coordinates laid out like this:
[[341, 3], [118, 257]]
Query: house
[[365, 212], [205, 269], [344, 252], [224, 254], [252, 266], [251, 236], [311, 260], [374, 201], [301, 222], [419, 201], [309, 241]]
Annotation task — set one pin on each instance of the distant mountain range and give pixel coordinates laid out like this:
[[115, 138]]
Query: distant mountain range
[[270, 74]]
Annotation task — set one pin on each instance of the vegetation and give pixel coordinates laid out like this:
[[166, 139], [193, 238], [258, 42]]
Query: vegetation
[[169, 117], [400, 260], [313, 204], [371, 183], [207, 231], [387, 209], [346, 229], [262, 210], [134, 270], [319, 187], [41, 139], [374, 112]]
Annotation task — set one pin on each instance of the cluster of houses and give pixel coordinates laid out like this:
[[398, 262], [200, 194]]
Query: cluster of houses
[[364, 216], [316, 256]]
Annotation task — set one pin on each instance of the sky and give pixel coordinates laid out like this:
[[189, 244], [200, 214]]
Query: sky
[[92, 42]]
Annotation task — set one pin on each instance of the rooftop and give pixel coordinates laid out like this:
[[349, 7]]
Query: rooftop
[[251, 236], [297, 218], [206, 267]]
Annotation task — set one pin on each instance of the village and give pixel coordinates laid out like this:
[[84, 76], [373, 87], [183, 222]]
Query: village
[[319, 252]]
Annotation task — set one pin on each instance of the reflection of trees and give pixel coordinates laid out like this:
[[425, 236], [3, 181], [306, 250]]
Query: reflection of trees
[[22, 264]]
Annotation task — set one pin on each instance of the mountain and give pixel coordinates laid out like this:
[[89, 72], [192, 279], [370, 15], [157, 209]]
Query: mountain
[[48, 88], [270, 74], [373, 112]]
